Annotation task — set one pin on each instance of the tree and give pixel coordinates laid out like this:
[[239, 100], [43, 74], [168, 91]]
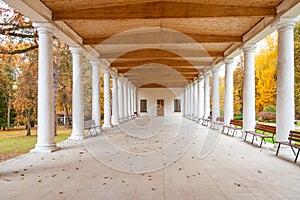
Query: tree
[[238, 79], [25, 102], [7, 81], [297, 68], [265, 74], [17, 29]]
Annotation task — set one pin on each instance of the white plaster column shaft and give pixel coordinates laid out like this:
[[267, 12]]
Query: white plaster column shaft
[[129, 99], [201, 98], [115, 109], [215, 94], [96, 107], [45, 135], [228, 100], [107, 107], [192, 99], [196, 102], [77, 97], [185, 100], [285, 106], [188, 100], [125, 91], [206, 96], [134, 99], [249, 88], [121, 99]]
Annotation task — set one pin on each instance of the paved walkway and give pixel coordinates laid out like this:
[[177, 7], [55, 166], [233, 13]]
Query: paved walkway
[[154, 158]]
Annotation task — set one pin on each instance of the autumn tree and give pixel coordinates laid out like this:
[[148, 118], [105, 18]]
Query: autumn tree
[[297, 68], [238, 79], [25, 102], [16, 28], [265, 74], [7, 81], [62, 78]]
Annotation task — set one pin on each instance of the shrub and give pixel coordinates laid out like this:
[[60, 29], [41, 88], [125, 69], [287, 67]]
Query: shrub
[[270, 108]]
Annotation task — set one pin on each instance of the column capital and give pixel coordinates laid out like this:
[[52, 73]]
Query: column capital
[[44, 27], [75, 50], [249, 47], [286, 23], [95, 63], [228, 61]]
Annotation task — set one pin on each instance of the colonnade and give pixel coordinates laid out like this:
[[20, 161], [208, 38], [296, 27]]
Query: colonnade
[[197, 103], [197, 92]]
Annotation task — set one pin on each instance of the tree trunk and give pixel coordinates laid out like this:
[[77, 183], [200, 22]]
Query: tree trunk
[[55, 79], [28, 122], [67, 112], [8, 113]]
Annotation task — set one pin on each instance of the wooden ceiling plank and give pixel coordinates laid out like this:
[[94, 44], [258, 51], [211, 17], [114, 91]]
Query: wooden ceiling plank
[[159, 38], [154, 10]]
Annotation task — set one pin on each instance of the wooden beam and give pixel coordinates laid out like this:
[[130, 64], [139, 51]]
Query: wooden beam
[[160, 53], [167, 62], [165, 37], [154, 10], [180, 70]]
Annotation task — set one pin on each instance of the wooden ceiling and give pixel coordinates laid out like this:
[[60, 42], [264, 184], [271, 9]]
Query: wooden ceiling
[[163, 43]]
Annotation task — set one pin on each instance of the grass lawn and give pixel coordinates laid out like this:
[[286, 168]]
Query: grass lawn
[[16, 141]]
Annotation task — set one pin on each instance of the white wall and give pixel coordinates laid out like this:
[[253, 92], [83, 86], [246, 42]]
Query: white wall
[[167, 94]]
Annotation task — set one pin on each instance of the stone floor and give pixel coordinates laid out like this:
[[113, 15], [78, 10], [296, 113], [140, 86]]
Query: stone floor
[[154, 158]]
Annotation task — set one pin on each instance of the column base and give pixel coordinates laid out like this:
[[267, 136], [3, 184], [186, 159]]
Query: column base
[[76, 136], [106, 126], [47, 148]]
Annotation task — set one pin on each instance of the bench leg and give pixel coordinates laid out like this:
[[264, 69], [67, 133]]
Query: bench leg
[[261, 141], [297, 156], [278, 149], [293, 151], [245, 136], [252, 139]]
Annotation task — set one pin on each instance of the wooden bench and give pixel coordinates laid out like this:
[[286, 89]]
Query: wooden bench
[[263, 129], [90, 126], [293, 142], [218, 123], [233, 127], [205, 121]]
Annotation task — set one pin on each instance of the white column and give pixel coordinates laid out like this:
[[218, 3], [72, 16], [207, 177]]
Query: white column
[[125, 99], [96, 107], [77, 97], [129, 99], [107, 108], [188, 100], [228, 100], [115, 109], [206, 96], [249, 88], [185, 100], [201, 98], [121, 99], [134, 99], [196, 95], [45, 136], [215, 94], [192, 100], [285, 104]]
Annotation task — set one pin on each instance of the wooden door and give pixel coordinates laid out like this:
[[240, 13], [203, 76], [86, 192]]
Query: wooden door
[[160, 107]]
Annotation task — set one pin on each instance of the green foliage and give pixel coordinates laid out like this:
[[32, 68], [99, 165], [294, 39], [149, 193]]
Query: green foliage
[[270, 108], [238, 117]]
